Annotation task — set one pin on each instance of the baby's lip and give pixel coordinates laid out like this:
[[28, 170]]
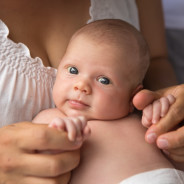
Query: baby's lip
[[77, 104]]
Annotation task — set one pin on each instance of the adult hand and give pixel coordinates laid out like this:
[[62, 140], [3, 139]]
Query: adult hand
[[167, 133], [21, 162]]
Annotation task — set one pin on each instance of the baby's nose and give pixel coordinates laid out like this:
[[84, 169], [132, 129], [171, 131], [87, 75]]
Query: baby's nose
[[83, 87]]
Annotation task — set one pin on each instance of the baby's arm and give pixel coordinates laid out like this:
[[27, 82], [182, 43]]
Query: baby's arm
[[155, 111], [76, 127]]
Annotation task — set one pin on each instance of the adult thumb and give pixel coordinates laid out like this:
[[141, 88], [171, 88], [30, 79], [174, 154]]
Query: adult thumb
[[144, 97]]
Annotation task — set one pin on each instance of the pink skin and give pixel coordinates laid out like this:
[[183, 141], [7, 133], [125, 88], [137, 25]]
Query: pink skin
[[83, 93], [79, 89], [155, 111], [75, 126]]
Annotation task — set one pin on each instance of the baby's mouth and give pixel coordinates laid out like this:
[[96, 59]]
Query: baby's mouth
[[77, 104]]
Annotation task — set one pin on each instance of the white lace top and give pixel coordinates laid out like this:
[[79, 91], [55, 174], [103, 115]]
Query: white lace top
[[115, 9], [25, 84]]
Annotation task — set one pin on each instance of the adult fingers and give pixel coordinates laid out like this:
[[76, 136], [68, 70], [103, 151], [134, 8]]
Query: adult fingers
[[172, 140], [175, 154], [144, 98], [174, 116], [167, 123], [19, 158], [41, 137], [64, 179], [49, 165]]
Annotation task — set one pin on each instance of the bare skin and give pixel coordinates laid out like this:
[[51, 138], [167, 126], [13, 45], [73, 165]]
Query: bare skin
[[41, 26], [45, 27], [20, 161], [160, 73], [110, 153], [58, 20], [168, 131], [113, 154], [54, 23]]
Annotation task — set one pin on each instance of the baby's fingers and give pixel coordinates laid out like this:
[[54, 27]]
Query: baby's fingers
[[156, 111], [83, 121], [147, 116], [79, 123], [165, 104], [171, 99], [83, 128], [71, 129], [86, 131], [57, 123], [66, 124], [161, 107], [79, 128]]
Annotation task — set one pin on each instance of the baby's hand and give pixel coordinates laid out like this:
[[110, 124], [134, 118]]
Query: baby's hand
[[76, 127], [155, 111]]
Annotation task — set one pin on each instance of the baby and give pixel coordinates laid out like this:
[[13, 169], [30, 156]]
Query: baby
[[102, 69]]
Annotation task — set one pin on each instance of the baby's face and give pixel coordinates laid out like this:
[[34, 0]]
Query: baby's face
[[92, 81]]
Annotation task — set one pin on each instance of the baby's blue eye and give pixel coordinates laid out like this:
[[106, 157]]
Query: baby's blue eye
[[104, 80], [72, 70]]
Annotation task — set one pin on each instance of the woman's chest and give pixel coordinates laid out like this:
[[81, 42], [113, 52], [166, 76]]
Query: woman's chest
[[45, 27]]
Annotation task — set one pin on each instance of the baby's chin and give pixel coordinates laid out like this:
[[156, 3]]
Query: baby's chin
[[74, 113], [88, 115]]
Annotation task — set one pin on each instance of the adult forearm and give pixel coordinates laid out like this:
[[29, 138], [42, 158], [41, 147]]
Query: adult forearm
[[160, 74]]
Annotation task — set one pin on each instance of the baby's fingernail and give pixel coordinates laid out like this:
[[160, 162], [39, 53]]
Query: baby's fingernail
[[163, 143], [145, 122], [151, 137], [82, 118], [154, 121], [71, 137]]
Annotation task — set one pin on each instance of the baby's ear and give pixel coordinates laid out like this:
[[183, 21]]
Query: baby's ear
[[136, 90]]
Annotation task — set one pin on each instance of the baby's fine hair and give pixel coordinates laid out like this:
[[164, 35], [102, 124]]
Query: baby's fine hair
[[120, 34]]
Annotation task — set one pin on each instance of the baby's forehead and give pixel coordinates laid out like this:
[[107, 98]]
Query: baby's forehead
[[113, 38], [117, 43], [120, 54]]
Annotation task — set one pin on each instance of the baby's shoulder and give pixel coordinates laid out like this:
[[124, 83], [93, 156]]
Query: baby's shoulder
[[47, 115], [130, 125]]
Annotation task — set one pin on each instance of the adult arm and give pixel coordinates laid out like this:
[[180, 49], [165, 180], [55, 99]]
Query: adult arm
[[168, 132], [21, 162], [160, 73]]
